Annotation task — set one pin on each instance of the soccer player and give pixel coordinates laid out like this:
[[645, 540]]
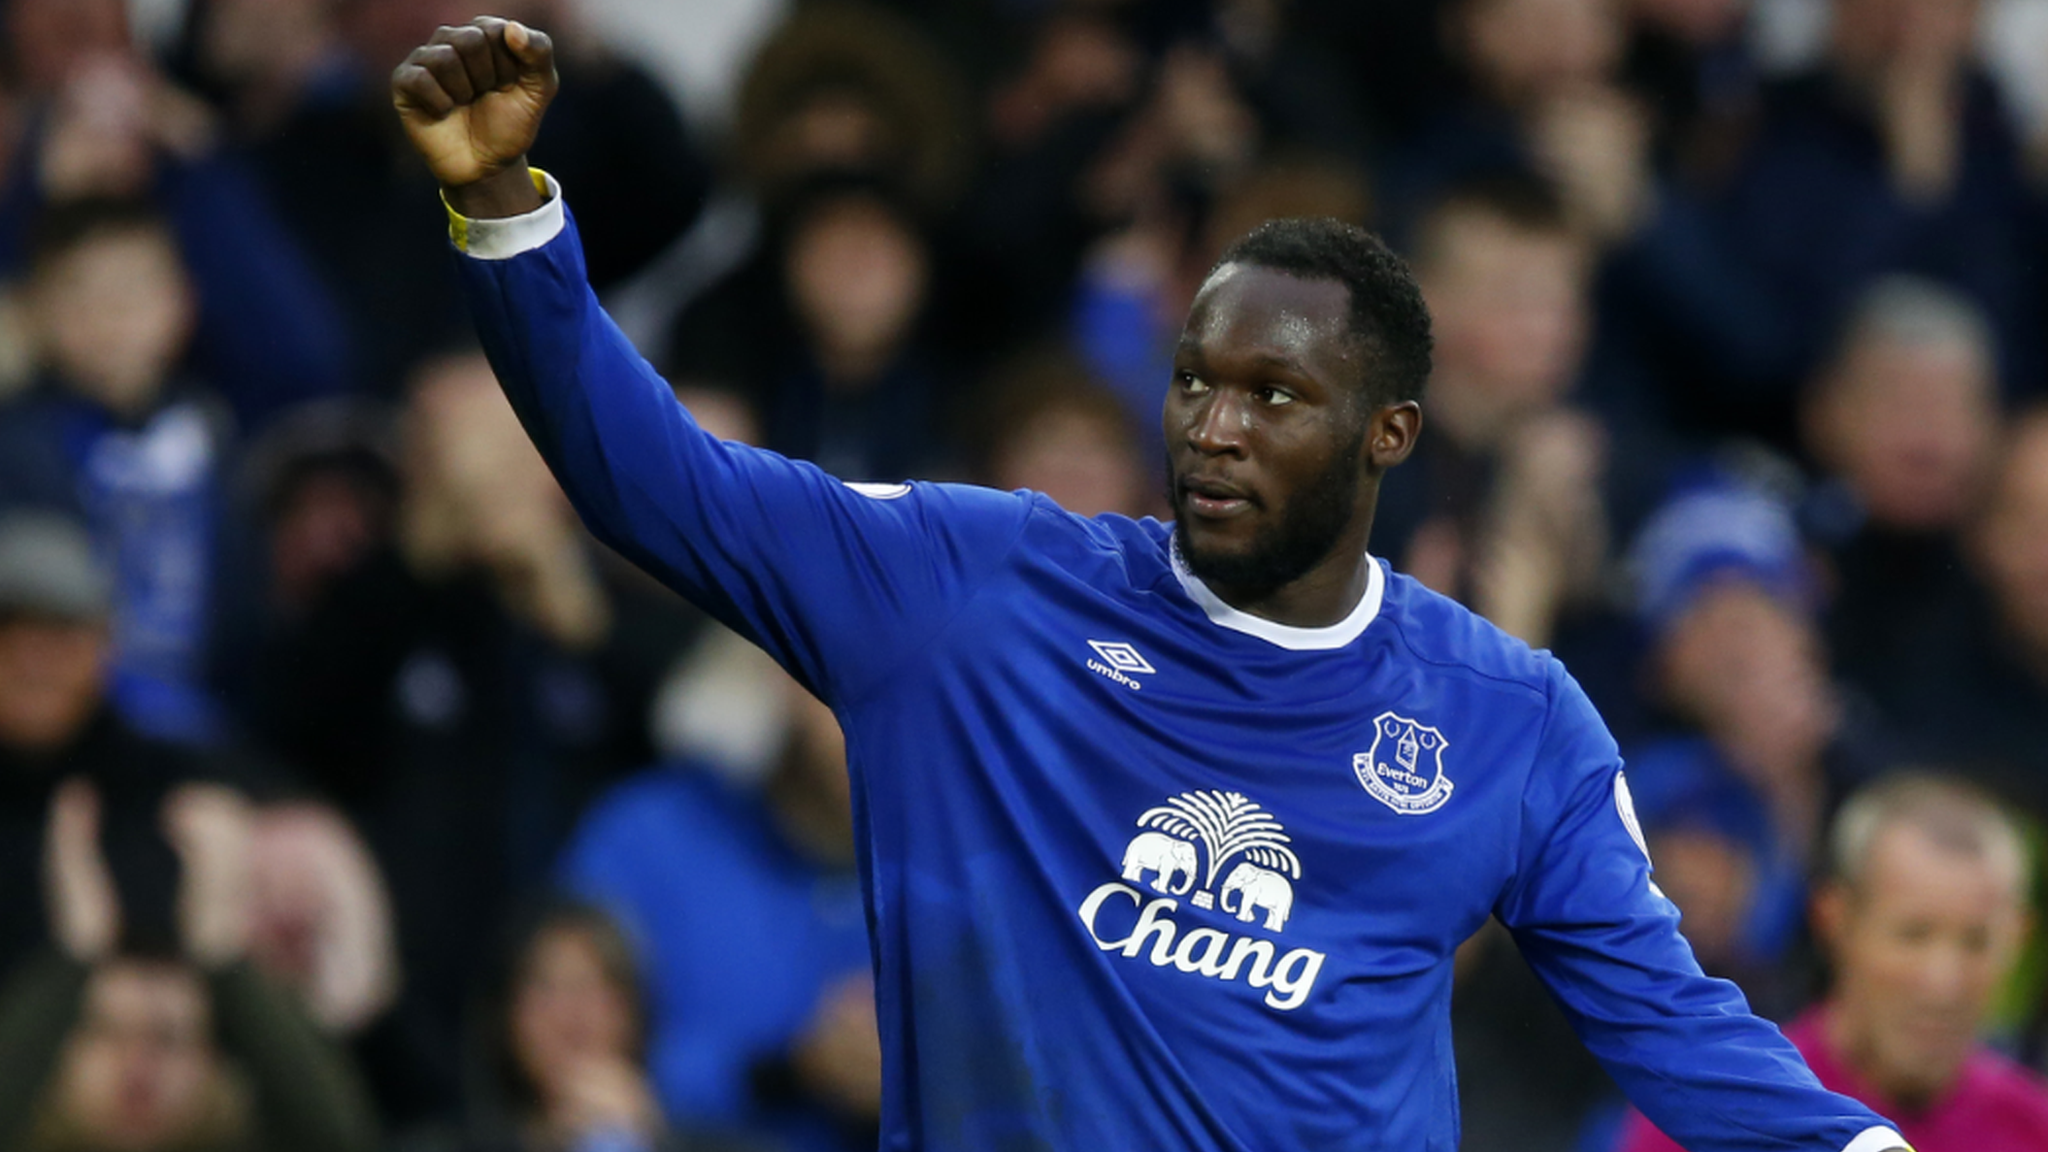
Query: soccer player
[[1167, 832]]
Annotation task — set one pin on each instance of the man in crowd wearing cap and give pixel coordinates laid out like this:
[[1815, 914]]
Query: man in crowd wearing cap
[[1922, 917], [1739, 782], [56, 723]]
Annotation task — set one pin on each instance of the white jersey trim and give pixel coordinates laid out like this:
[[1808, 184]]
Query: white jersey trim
[[1286, 635], [1879, 1139], [513, 235]]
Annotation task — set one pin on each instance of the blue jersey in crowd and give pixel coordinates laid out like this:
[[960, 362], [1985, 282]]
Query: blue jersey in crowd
[[1142, 871]]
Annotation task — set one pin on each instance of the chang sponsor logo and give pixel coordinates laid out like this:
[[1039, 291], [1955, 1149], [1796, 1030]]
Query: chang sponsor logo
[[1182, 851]]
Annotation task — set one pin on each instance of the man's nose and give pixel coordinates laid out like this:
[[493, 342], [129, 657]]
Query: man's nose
[[1944, 977], [1218, 424]]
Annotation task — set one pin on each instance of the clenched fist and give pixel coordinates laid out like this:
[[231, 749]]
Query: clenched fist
[[471, 99]]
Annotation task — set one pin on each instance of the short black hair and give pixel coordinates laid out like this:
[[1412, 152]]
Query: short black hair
[[69, 224], [1388, 317]]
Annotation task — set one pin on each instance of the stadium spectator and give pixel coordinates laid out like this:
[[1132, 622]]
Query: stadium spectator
[[1540, 96], [1050, 428], [1756, 743], [841, 96], [825, 328], [1690, 65], [747, 902], [1895, 154], [851, 89], [1923, 916], [1903, 424], [318, 491], [115, 436], [109, 1045], [56, 723], [1028, 221], [258, 60], [107, 124], [324, 486], [1979, 694], [1503, 505], [561, 1048], [462, 693]]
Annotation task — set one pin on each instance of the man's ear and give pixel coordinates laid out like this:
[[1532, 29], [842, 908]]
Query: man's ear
[[1390, 434]]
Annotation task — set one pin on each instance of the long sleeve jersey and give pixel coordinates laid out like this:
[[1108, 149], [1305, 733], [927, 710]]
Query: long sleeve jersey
[[1141, 870]]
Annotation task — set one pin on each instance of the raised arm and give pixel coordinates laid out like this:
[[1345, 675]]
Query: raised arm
[[841, 584], [1684, 1046]]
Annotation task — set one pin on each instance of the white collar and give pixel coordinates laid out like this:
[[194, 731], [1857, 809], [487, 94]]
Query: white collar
[[1321, 639]]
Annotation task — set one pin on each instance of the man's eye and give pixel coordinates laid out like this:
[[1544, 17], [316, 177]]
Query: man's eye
[[1275, 396], [1191, 382]]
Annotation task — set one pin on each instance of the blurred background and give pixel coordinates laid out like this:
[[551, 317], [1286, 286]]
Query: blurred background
[[352, 798]]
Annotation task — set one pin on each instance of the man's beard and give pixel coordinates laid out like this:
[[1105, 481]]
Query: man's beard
[[1282, 552]]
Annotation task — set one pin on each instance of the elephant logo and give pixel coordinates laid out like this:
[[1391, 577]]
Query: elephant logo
[[1404, 768], [1164, 855], [1225, 826], [1257, 887]]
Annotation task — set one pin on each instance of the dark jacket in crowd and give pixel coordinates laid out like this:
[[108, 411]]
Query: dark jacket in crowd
[[133, 774], [463, 743]]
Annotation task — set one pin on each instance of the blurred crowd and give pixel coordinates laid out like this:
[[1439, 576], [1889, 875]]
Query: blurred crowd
[[352, 798]]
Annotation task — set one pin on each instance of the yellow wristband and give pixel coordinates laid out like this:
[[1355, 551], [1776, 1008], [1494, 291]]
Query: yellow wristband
[[458, 224]]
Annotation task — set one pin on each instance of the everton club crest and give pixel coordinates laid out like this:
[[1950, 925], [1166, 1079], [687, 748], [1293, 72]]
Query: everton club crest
[[1404, 768]]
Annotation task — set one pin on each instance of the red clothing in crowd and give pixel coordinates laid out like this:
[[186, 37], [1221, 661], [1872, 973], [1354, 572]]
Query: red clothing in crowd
[[1995, 1106]]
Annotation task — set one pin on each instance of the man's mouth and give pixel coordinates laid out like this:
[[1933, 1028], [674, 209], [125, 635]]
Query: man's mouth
[[1212, 499]]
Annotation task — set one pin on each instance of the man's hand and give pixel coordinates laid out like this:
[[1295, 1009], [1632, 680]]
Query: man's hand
[[210, 828], [85, 910], [471, 99]]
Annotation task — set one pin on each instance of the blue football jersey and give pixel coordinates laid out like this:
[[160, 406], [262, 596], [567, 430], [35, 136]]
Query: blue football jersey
[[1142, 871]]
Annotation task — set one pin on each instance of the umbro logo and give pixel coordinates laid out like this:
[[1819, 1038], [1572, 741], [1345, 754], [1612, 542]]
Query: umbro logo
[[1119, 661]]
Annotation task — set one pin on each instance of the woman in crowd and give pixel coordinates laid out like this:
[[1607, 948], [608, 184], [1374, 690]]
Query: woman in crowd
[[560, 1043]]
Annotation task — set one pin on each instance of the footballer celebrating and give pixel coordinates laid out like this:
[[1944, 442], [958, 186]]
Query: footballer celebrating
[[1167, 832]]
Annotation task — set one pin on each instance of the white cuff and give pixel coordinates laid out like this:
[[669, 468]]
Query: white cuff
[[1876, 1140], [508, 237]]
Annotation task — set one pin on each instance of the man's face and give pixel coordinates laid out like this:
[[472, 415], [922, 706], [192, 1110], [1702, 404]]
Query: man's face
[[1920, 946], [1265, 429], [1752, 673], [1523, 51], [1910, 427], [1509, 309], [52, 676], [137, 1065], [858, 279], [114, 315]]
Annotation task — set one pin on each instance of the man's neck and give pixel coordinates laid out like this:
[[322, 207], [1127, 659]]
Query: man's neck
[[1323, 596]]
